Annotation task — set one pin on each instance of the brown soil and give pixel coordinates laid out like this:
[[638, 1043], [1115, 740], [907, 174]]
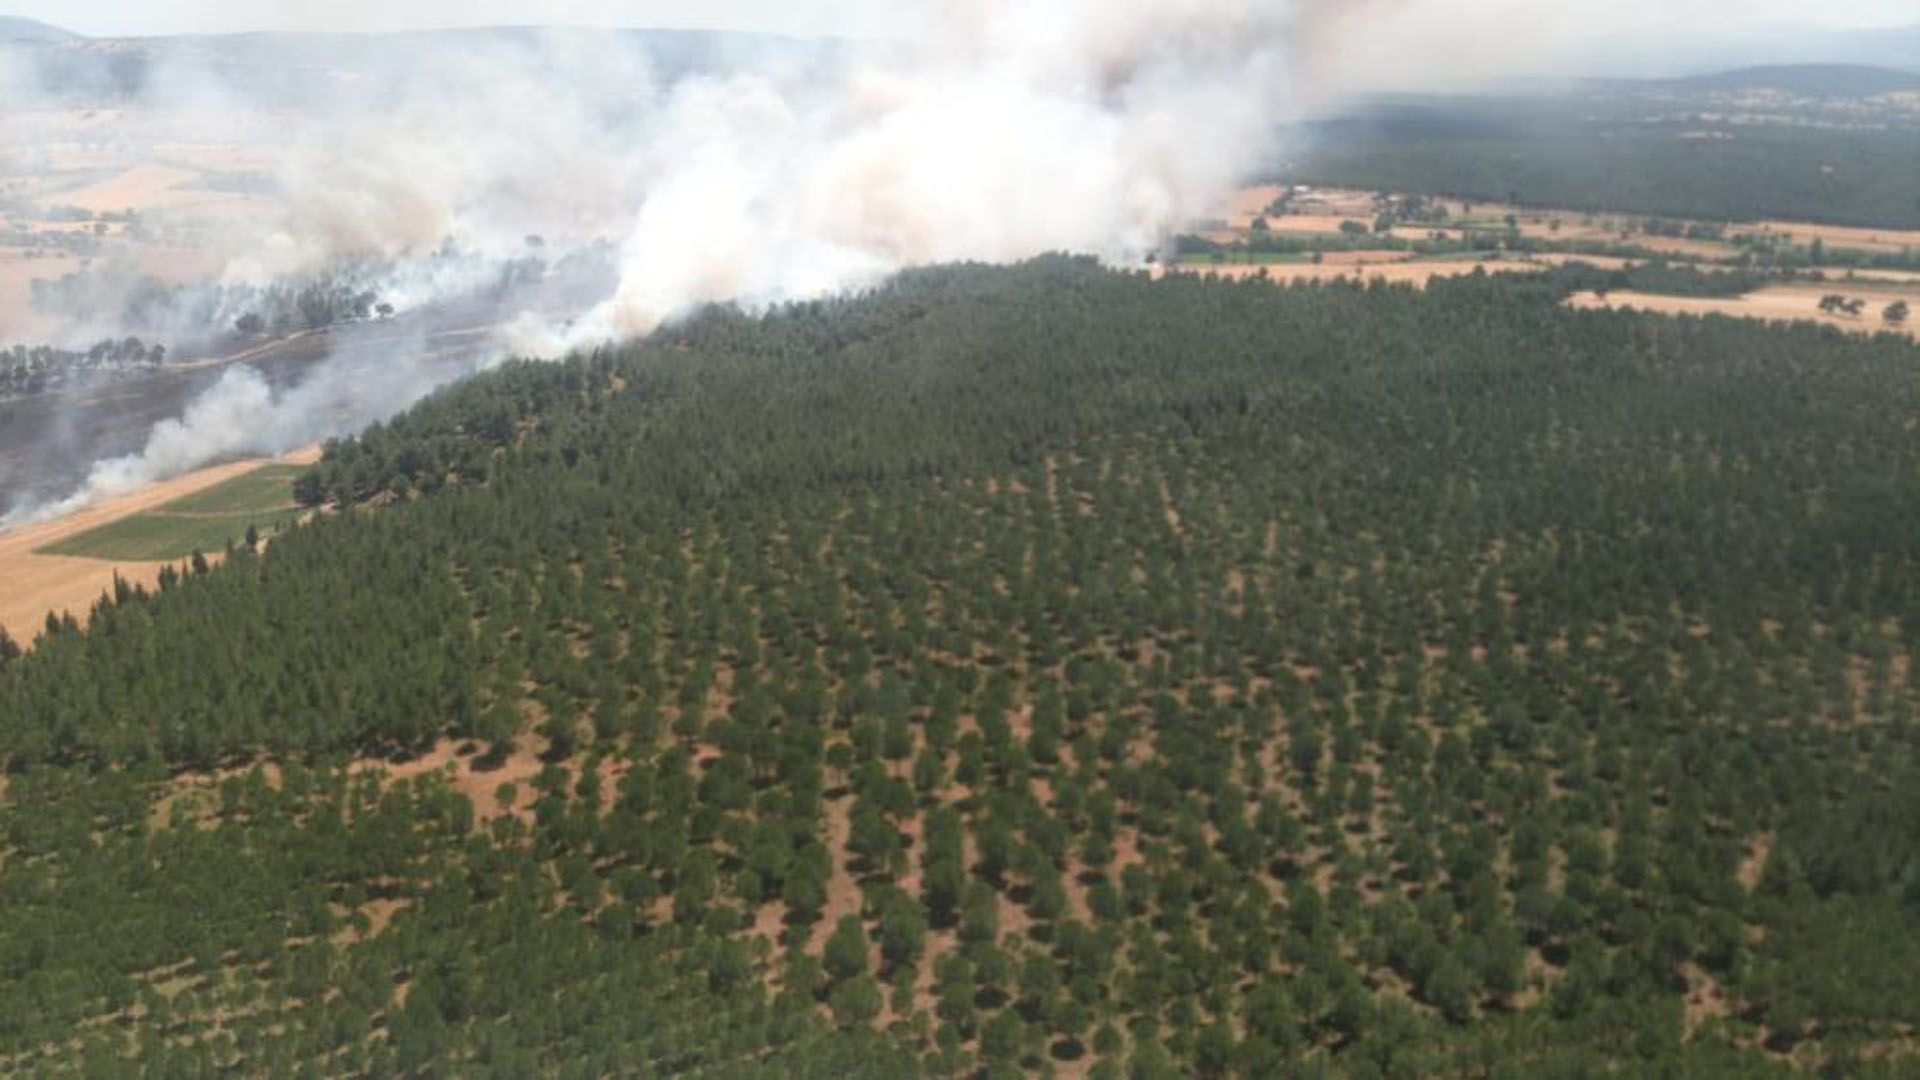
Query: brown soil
[[482, 789], [379, 915], [1706, 998], [1759, 848], [843, 892]]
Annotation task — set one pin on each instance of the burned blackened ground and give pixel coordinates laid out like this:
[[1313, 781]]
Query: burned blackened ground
[[49, 443], [343, 378]]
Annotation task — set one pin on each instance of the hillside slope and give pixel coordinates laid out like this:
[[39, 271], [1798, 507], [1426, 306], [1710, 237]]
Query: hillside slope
[[18, 31], [1809, 80], [1690, 52], [1022, 671]]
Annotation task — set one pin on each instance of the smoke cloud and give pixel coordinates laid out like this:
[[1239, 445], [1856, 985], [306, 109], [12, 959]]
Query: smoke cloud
[[741, 170], [1004, 130]]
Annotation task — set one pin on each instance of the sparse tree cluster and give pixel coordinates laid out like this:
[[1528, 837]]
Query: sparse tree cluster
[[41, 369], [117, 294]]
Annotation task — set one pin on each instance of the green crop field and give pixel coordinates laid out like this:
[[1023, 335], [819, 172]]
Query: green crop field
[[269, 487], [156, 537], [204, 521]]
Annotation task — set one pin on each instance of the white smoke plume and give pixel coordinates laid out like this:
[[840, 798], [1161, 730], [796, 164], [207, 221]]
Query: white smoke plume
[[224, 420], [993, 130], [1004, 130], [243, 415]]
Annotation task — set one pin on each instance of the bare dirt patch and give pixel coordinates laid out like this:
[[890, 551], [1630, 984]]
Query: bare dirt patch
[[1252, 202], [378, 915], [1759, 849], [482, 789], [843, 891]]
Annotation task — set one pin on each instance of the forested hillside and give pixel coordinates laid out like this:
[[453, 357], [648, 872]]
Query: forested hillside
[[1017, 671], [1682, 156]]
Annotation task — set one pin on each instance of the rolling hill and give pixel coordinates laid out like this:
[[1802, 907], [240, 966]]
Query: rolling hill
[[1686, 53], [1805, 80], [18, 31], [1021, 672], [1832, 143]]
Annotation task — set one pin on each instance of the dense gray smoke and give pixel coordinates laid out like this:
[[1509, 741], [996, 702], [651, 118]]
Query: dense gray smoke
[[750, 170]]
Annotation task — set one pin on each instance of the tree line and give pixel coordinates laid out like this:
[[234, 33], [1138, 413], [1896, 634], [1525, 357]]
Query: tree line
[[27, 370]]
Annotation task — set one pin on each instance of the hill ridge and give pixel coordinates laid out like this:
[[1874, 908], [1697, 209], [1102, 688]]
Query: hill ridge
[[1812, 79], [16, 28]]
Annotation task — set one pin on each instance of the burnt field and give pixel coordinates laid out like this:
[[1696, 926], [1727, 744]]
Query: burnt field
[[48, 443]]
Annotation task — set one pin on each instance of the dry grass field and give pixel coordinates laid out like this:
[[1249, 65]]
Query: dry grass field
[[1837, 236], [1322, 211], [167, 169], [143, 187], [1603, 262], [19, 323], [1896, 277], [1777, 303], [1251, 202], [1400, 270], [33, 584], [1317, 212]]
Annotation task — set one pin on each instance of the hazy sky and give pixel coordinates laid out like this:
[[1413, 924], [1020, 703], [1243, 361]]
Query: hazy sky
[[115, 17], [107, 17]]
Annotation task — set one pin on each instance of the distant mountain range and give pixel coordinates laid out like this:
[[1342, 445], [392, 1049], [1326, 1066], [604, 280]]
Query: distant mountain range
[[289, 69], [1680, 54], [1801, 80], [14, 30], [284, 68]]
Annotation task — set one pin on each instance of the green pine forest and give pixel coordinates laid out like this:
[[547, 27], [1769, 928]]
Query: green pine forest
[[1016, 672]]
